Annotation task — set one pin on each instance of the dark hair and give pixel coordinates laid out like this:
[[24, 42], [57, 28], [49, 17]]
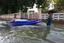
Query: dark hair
[[51, 11], [14, 15]]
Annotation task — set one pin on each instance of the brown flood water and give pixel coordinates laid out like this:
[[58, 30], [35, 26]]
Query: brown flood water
[[32, 33]]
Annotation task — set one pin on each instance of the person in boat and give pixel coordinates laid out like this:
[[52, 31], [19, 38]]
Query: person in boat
[[14, 18], [49, 19]]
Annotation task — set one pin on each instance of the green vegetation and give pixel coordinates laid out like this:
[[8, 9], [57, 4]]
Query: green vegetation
[[12, 6], [60, 5]]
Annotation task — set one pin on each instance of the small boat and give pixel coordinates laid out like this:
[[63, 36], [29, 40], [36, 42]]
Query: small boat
[[19, 22]]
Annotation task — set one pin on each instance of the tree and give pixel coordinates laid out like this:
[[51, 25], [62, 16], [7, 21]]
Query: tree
[[60, 5], [12, 6]]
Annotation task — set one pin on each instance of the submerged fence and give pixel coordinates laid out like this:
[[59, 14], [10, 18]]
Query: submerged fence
[[22, 15], [56, 16]]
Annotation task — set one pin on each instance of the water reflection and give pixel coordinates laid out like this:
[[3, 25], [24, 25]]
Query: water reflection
[[47, 31], [59, 25]]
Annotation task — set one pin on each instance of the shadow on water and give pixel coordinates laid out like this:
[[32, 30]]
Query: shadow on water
[[47, 31], [31, 34]]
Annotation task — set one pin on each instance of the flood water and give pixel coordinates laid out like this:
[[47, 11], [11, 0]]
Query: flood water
[[39, 33]]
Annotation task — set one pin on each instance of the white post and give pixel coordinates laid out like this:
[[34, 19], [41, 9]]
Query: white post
[[58, 16], [40, 13], [20, 13], [28, 14], [63, 16]]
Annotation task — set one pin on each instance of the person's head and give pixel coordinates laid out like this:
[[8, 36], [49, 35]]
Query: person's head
[[14, 15], [50, 12]]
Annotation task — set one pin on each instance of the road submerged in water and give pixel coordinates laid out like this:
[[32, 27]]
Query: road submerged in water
[[39, 33]]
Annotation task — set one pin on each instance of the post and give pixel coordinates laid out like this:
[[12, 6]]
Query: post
[[40, 13]]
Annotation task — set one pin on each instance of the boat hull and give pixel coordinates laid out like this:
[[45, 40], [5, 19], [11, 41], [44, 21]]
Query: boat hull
[[19, 23]]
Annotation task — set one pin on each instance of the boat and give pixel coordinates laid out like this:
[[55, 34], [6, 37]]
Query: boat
[[20, 22]]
